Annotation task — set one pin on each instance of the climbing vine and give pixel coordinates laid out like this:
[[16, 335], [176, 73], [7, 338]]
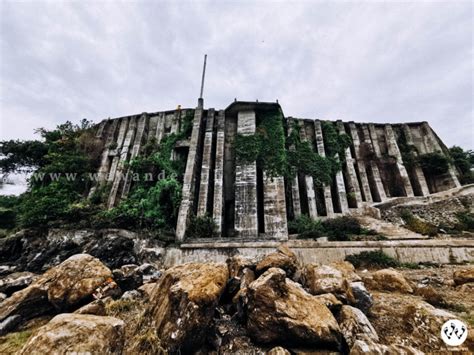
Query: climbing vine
[[266, 146], [407, 151], [273, 155], [155, 197]]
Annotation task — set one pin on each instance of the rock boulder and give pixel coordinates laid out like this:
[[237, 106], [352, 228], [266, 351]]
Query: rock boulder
[[77, 333], [354, 324], [367, 346], [279, 310], [321, 279], [389, 280], [60, 288], [16, 281], [283, 258], [182, 303], [463, 276]]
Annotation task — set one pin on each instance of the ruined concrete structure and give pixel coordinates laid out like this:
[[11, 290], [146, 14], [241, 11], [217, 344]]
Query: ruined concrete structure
[[241, 199]]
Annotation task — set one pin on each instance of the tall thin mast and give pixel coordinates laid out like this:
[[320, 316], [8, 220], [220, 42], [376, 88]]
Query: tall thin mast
[[201, 101]]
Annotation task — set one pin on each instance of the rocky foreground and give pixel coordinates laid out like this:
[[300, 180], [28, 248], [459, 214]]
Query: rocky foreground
[[274, 305]]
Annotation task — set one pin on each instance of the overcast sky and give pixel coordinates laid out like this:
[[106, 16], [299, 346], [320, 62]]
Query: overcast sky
[[370, 61]]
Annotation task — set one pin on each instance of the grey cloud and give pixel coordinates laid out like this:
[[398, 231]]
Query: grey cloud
[[371, 61]]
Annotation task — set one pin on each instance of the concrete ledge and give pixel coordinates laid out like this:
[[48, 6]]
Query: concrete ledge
[[409, 251], [439, 196], [315, 244]]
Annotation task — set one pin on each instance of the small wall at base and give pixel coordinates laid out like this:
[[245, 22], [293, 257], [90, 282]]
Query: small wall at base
[[413, 251]]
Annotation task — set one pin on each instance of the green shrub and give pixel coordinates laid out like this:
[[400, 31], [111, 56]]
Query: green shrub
[[306, 228], [417, 225], [8, 211], [201, 227], [375, 258], [466, 221], [155, 207], [341, 228], [434, 163], [45, 205], [464, 161], [7, 218]]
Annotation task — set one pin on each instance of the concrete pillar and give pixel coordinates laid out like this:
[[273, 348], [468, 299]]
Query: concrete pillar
[[419, 175], [309, 182], [352, 181], [189, 179], [116, 152], [218, 205], [137, 144], [105, 160], [375, 140], [124, 153], [175, 122], [295, 189], [246, 221], [360, 163], [160, 128], [431, 141], [394, 151], [100, 129], [206, 165], [380, 191], [152, 127], [274, 206], [318, 131], [341, 190]]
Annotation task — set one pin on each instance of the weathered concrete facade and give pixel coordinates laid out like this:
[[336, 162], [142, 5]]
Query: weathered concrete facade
[[243, 201]]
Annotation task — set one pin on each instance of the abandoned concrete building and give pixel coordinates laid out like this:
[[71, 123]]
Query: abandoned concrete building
[[243, 201]]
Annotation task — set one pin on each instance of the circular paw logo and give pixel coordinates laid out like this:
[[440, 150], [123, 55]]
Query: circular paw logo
[[454, 332]]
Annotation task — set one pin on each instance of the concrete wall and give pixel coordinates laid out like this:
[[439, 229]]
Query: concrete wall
[[416, 251], [240, 198]]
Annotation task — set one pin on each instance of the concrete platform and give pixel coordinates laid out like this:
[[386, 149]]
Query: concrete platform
[[410, 251]]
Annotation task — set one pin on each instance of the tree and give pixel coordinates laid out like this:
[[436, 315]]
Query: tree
[[464, 162]]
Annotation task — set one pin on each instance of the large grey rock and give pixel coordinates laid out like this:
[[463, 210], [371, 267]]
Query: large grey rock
[[150, 272], [363, 298], [354, 324], [9, 324], [128, 277], [16, 281]]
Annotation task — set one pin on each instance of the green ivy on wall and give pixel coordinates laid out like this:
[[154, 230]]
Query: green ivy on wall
[[271, 150], [266, 146]]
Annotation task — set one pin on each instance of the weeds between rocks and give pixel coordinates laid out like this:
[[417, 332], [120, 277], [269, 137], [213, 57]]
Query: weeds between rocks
[[13, 342], [140, 338], [377, 259]]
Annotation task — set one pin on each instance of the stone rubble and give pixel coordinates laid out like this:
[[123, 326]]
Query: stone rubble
[[233, 307]]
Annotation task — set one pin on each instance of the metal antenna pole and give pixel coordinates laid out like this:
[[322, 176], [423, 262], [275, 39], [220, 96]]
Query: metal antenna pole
[[203, 75]]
